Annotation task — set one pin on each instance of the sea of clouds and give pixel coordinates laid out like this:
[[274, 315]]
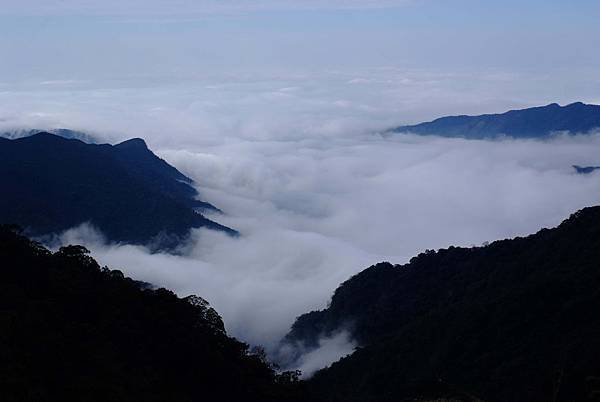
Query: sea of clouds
[[302, 167]]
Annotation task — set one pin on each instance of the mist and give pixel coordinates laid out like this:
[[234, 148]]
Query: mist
[[329, 350], [313, 212]]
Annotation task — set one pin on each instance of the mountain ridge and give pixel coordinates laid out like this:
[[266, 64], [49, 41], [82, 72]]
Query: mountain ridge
[[130, 194], [506, 322], [534, 122], [61, 132]]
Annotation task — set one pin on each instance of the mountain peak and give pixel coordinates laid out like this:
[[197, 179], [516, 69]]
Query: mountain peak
[[156, 203], [134, 143], [45, 134], [16, 133], [45, 137]]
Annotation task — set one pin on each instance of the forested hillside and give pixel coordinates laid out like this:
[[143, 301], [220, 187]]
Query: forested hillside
[[71, 330], [516, 320]]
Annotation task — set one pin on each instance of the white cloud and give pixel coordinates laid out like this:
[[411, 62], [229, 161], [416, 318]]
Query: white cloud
[[329, 350], [199, 108]]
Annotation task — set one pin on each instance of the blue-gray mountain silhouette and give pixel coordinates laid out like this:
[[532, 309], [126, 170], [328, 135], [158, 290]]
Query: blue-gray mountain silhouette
[[536, 122], [585, 169], [61, 132], [50, 184]]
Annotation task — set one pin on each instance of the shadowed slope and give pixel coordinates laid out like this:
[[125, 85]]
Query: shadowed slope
[[513, 321], [72, 331], [51, 184]]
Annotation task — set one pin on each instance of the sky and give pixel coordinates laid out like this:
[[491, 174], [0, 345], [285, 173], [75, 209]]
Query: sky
[[276, 109], [509, 53]]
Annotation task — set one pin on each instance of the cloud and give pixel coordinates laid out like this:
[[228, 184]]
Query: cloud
[[329, 350], [182, 8], [209, 107], [314, 212]]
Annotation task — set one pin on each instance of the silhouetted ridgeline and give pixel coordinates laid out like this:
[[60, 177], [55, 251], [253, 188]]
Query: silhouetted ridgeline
[[61, 132], [585, 169], [72, 331], [536, 122], [50, 184], [517, 320]]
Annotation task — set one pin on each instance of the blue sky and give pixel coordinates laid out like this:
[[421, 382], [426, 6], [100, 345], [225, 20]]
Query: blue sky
[[187, 36]]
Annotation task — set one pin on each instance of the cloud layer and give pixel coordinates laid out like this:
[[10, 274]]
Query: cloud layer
[[295, 161], [314, 212]]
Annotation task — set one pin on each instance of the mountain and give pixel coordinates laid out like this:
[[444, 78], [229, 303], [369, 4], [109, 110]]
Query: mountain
[[536, 122], [61, 132], [73, 331], [585, 169], [516, 320], [51, 184]]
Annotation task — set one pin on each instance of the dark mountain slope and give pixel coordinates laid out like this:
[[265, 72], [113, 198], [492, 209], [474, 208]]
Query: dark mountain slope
[[534, 122], [158, 174], [50, 184], [72, 331], [513, 321]]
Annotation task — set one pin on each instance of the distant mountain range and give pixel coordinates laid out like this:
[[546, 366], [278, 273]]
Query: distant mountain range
[[61, 132], [516, 320], [50, 184], [536, 122], [585, 169]]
